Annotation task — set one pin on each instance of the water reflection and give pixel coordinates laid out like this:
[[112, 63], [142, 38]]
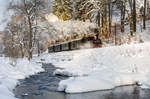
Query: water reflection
[[127, 92]]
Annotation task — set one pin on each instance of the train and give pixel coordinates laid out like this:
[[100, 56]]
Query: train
[[75, 44]]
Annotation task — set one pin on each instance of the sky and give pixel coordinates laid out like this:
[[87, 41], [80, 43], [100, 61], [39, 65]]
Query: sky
[[3, 13]]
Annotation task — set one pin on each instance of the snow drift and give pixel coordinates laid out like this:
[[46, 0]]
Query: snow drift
[[11, 71], [103, 68]]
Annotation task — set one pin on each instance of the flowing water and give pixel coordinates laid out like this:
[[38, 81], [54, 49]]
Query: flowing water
[[44, 86]]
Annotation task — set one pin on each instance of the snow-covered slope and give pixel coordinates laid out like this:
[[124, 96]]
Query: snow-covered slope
[[103, 68], [11, 71]]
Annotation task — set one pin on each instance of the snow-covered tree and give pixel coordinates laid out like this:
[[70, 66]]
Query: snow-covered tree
[[29, 10], [14, 38]]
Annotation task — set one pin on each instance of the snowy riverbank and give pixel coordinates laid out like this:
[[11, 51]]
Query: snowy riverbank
[[89, 70], [103, 68], [11, 71]]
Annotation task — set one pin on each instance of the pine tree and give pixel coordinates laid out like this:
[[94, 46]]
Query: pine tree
[[62, 9], [78, 10]]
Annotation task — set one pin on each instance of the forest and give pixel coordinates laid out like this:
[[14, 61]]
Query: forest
[[29, 31]]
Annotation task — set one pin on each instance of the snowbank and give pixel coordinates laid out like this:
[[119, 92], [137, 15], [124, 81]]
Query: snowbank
[[11, 71], [103, 68]]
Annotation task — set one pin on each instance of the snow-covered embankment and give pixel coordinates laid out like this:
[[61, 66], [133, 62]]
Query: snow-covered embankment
[[11, 71], [103, 68]]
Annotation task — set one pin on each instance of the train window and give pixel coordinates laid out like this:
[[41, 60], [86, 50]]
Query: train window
[[50, 49], [65, 46], [74, 44], [84, 40], [97, 41], [57, 48], [78, 44]]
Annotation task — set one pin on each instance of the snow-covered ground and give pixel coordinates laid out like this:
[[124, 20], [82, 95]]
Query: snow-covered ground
[[103, 68], [11, 71]]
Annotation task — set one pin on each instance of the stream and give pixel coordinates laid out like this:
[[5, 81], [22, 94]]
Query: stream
[[44, 86]]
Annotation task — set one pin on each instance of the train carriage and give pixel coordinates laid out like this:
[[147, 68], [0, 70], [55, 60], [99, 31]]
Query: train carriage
[[50, 49], [57, 48], [81, 42], [65, 47], [75, 44]]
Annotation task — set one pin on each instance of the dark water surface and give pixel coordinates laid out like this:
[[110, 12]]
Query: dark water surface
[[44, 86]]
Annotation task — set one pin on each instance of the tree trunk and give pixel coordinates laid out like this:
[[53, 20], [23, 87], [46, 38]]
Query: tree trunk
[[123, 8], [30, 38], [115, 34], [110, 15], [131, 17], [134, 15], [30, 30], [21, 49], [105, 28], [98, 18], [38, 46], [102, 20], [144, 16]]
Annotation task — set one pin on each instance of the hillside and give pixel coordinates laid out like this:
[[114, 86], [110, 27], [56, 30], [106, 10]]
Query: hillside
[[105, 68]]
